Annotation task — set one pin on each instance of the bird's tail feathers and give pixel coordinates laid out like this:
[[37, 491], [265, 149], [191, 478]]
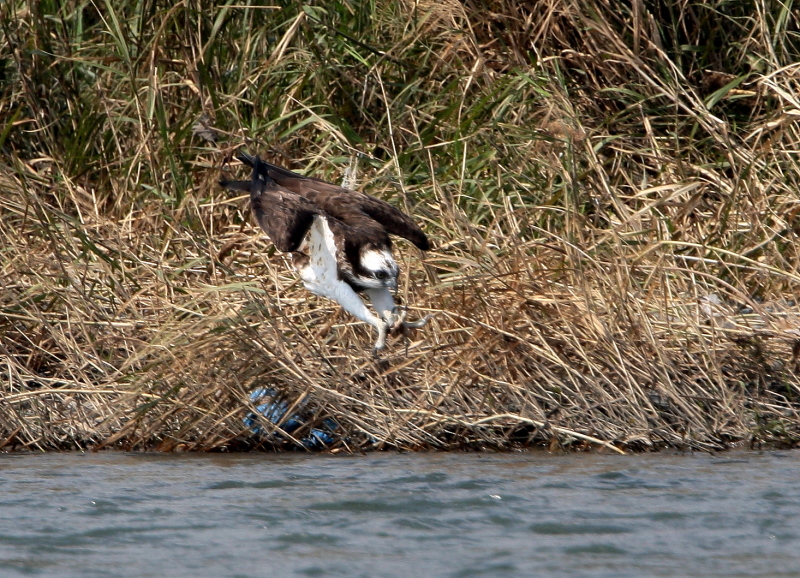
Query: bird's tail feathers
[[260, 170], [245, 186], [236, 185], [260, 176], [250, 160]]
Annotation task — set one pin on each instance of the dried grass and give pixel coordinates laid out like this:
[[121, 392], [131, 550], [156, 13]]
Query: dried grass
[[611, 190]]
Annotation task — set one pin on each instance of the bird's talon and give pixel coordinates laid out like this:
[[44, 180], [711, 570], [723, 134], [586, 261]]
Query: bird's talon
[[383, 331], [416, 324]]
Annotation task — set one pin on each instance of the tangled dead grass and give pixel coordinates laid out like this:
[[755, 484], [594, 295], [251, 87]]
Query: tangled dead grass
[[611, 191]]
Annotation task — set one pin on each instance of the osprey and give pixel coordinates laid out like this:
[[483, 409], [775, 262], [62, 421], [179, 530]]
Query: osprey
[[338, 238]]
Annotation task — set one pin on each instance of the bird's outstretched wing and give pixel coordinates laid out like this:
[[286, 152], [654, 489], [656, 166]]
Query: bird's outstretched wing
[[349, 207], [284, 215]]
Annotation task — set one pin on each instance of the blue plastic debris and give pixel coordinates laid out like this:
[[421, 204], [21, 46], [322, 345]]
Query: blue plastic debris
[[270, 407]]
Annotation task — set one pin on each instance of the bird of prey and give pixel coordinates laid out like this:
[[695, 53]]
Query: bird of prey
[[338, 238]]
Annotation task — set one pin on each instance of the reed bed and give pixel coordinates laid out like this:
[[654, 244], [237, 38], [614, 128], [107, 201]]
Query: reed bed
[[611, 189]]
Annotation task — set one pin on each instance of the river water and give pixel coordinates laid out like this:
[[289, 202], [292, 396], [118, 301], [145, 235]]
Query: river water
[[408, 515]]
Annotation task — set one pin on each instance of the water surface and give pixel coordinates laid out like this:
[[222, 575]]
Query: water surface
[[408, 515]]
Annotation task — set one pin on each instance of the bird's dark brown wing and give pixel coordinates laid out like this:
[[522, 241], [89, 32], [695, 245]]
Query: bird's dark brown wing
[[284, 215], [348, 206]]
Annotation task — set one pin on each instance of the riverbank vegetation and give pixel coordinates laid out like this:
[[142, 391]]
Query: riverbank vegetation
[[611, 189]]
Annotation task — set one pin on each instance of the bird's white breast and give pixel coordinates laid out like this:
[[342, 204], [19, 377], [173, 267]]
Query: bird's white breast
[[321, 250], [320, 275]]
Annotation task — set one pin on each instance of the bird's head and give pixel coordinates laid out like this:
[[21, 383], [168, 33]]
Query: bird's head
[[378, 269]]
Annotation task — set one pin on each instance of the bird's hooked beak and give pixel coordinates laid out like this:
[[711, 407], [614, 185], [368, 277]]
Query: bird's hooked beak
[[392, 285]]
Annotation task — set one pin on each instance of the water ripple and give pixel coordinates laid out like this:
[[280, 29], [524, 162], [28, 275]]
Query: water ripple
[[400, 515]]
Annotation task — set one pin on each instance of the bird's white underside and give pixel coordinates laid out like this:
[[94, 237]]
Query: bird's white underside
[[321, 278]]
